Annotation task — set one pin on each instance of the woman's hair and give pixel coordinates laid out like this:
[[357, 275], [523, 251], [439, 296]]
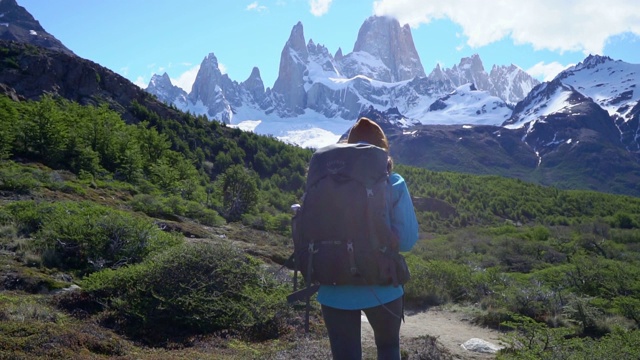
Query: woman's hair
[[366, 130]]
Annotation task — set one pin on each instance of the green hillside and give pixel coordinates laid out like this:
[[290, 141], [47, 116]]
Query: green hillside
[[176, 230]]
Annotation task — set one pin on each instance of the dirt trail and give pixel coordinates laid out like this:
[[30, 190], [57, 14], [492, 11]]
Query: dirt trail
[[450, 328]]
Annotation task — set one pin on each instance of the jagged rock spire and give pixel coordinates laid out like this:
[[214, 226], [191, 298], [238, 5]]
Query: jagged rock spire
[[383, 38], [293, 64]]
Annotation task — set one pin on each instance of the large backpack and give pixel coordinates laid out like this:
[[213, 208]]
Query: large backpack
[[342, 233]]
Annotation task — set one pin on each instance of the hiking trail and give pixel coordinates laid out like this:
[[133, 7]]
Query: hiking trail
[[449, 327]]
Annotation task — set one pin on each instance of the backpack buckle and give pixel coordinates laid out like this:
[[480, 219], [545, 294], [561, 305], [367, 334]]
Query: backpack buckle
[[369, 193], [312, 250], [353, 269]]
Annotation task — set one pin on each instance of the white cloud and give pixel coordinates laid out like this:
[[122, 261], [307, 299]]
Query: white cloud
[[546, 72], [140, 82], [254, 6], [583, 25], [186, 79], [319, 7], [222, 67]]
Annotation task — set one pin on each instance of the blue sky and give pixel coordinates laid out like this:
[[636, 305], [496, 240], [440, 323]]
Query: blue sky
[[138, 38]]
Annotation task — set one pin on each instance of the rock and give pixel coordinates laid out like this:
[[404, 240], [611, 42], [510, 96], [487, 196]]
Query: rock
[[162, 87], [293, 67], [384, 39], [71, 288], [209, 90], [481, 346]]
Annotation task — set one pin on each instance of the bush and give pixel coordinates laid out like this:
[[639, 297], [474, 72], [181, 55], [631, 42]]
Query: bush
[[87, 237], [192, 288], [203, 215], [150, 205], [174, 206], [16, 180], [28, 216], [255, 221], [437, 282], [533, 340]]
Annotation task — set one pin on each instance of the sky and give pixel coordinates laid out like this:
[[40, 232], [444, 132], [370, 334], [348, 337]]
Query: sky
[[138, 38]]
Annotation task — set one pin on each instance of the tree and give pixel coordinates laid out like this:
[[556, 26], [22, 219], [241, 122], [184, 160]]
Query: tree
[[239, 192], [8, 119], [44, 131], [153, 145]]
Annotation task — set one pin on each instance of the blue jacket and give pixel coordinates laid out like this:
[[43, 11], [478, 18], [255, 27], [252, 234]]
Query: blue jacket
[[405, 225]]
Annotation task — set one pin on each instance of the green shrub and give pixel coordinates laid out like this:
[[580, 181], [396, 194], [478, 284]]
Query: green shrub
[[192, 288], [535, 341], [176, 205], [255, 221], [437, 282], [150, 205], [86, 237], [169, 208], [14, 179], [281, 223], [203, 215], [68, 187], [524, 295], [28, 216], [628, 307]]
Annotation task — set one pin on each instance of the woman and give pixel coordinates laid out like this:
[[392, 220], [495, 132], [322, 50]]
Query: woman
[[383, 305]]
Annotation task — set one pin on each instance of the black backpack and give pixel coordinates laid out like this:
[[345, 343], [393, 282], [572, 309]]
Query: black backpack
[[342, 233]]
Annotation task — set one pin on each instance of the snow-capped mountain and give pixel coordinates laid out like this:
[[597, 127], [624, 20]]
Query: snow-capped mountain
[[615, 87], [467, 105], [554, 113], [599, 89], [611, 84], [510, 83], [384, 71], [163, 88]]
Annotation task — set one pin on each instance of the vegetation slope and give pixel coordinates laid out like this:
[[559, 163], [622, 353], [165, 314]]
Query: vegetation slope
[[167, 239]]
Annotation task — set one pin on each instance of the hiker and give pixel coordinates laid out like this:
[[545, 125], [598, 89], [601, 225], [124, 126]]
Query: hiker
[[382, 304]]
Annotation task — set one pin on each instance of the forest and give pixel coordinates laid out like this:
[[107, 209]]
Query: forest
[[167, 239]]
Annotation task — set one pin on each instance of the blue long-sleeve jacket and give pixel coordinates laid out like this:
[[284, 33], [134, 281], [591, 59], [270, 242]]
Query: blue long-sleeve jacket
[[405, 225]]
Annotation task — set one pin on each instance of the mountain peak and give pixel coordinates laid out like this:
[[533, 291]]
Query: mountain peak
[[210, 59], [384, 39], [293, 65], [19, 25], [255, 73], [296, 39], [592, 61], [472, 63], [158, 80]]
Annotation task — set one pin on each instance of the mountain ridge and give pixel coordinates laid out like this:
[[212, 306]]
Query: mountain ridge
[[383, 70]]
